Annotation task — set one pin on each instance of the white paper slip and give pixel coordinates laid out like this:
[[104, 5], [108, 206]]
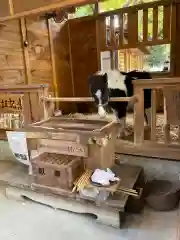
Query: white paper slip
[[18, 145]]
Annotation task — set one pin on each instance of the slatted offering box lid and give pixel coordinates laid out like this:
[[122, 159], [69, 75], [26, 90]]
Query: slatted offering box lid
[[55, 160], [91, 139], [72, 124], [56, 170], [172, 105], [69, 129]]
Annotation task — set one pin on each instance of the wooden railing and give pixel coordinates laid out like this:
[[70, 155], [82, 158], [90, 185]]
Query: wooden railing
[[147, 143], [171, 91], [20, 105], [130, 27], [141, 145]]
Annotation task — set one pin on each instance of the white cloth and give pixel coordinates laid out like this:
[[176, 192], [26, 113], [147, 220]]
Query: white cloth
[[103, 177]]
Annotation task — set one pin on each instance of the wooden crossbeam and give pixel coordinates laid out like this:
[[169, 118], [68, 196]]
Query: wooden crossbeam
[[86, 99]]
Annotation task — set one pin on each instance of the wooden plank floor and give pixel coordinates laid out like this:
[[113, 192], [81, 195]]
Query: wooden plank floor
[[40, 222], [16, 175]]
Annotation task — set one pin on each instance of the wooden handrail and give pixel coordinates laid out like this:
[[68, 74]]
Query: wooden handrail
[[156, 83], [29, 87], [137, 7], [86, 99], [40, 9]]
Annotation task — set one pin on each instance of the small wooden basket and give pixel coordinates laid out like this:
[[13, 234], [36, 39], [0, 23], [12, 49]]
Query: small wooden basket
[[56, 170]]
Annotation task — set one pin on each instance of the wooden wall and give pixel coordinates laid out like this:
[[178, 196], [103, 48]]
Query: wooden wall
[[84, 54], [11, 55], [12, 64], [75, 53], [76, 58], [39, 51], [60, 33], [84, 57]]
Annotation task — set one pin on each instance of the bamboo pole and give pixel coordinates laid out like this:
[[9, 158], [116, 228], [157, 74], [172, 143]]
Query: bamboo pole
[[87, 99]]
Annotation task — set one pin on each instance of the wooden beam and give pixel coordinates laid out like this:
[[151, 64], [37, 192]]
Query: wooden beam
[[88, 99], [174, 57], [139, 116], [52, 53], [12, 68], [22, 23], [96, 12], [46, 8], [22, 88], [11, 7], [153, 115], [157, 82], [167, 22], [149, 149], [71, 59], [155, 23]]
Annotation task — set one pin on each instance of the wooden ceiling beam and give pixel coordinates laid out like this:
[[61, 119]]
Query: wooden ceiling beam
[[14, 9]]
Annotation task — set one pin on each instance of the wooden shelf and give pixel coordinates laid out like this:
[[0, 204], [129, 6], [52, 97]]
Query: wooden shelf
[[12, 68]]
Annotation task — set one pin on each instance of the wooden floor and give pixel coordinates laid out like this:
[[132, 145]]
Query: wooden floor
[[130, 123], [16, 175], [40, 222], [146, 226]]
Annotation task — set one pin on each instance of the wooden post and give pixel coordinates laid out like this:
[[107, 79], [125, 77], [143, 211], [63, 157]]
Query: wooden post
[[27, 109], [24, 39], [71, 60], [175, 37], [125, 61], [52, 54], [45, 106], [112, 59], [167, 137], [145, 25], [139, 115], [128, 60], [153, 115], [96, 12], [11, 7]]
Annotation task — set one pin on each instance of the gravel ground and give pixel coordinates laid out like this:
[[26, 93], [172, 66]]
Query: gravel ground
[[129, 124], [174, 130]]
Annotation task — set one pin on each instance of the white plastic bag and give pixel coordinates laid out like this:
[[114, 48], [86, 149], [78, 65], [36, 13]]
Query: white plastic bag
[[103, 177]]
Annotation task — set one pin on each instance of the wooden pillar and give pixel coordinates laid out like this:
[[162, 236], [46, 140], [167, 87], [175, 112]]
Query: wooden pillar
[[52, 54], [112, 59], [141, 61], [175, 38], [128, 60], [24, 40], [125, 61], [116, 59], [139, 115], [96, 12]]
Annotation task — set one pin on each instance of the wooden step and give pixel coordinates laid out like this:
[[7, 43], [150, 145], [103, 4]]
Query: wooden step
[[106, 216]]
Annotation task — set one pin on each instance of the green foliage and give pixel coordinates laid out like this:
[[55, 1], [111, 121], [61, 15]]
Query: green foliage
[[158, 55], [84, 11], [113, 4]]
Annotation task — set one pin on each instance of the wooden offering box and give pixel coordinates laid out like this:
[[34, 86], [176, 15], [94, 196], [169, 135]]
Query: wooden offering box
[[91, 139], [55, 170]]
